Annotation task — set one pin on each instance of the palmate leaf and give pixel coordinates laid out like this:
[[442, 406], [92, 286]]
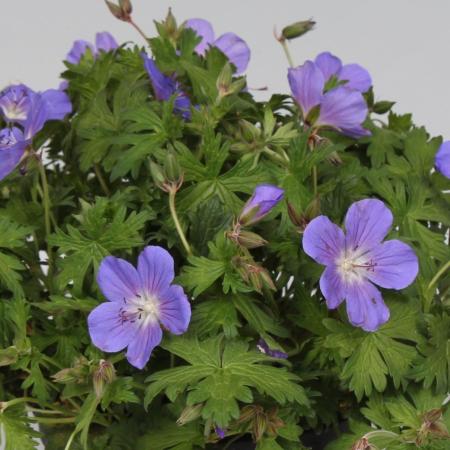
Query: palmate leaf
[[433, 367], [17, 433], [220, 374], [371, 357], [105, 227]]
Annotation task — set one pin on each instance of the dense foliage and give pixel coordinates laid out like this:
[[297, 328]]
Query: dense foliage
[[109, 170]]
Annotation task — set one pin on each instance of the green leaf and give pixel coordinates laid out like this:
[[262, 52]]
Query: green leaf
[[220, 374], [433, 367], [17, 433], [371, 357], [105, 228]]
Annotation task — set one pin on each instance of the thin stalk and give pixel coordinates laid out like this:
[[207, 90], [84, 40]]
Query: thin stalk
[[284, 44], [16, 401], [314, 177], [54, 420], [71, 438], [47, 219], [101, 180], [137, 28], [439, 274], [175, 219]]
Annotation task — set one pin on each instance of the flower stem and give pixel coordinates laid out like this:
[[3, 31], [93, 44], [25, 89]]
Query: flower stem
[[137, 28], [314, 177], [439, 274], [71, 438], [173, 212], [16, 401], [54, 420], [101, 180], [47, 219], [287, 52]]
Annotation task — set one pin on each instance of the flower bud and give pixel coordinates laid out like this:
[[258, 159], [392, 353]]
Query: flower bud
[[249, 240], [382, 107], [224, 80], [362, 444], [76, 374], [121, 11], [105, 374], [189, 414], [170, 23], [157, 174], [8, 356], [172, 168], [249, 132], [265, 197], [259, 426], [297, 29], [220, 432]]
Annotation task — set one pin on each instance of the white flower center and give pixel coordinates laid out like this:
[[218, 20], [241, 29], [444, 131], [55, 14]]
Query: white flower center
[[143, 308], [353, 266]]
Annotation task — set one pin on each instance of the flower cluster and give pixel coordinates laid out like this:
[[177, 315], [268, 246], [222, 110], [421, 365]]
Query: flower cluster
[[335, 90], [26, 113]]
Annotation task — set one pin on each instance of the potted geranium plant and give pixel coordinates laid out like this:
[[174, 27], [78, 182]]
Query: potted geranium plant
[[184, 267]]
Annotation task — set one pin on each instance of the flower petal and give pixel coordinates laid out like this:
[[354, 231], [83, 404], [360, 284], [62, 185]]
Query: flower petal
[[105, 41], [12, 148], [442, 159], [367, 222], [342, 108], [356, 132], [307, 83], [329, 64], [264, 198], [163, 86], [235, 49], [156, 269], [144, 341], [323, 240], [332, 287], [204, 30], [395, 265], [78, 50], [58, 104], [356, 76], [174, 310], [118, 279], [15, 103], [108, 332], [365, 306]]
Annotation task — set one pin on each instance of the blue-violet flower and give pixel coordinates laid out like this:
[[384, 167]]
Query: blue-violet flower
[[358, 259], [140, 303]]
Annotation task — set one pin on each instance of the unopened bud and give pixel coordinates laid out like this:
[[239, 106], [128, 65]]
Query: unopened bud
[[247, 413], [170, 23], [172, 168], [157, 174], [249, 132], [249, 239], [297, 29], [362, 444], [121, 11], [238, 85], [8, 356], [382, 107], [189, 414], [126, 6], [224, 80], [259, 426], [105, 374], [76, 374]]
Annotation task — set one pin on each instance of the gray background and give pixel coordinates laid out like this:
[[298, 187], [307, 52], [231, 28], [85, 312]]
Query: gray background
[[403, 43]]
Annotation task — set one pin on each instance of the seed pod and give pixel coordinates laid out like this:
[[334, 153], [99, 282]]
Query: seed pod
[[297, 29]]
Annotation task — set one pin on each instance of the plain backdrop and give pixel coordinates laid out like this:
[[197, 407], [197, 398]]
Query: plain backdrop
[[403, 43]]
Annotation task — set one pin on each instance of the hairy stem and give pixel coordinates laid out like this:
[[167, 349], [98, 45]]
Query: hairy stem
[[137, 28], [175, 219], [284, 44], [101, 180]]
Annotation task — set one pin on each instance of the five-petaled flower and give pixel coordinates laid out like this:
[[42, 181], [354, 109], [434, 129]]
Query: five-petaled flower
[[29, 110], [341, 107], [232, 46], [165, 87], [104, 42], [359, 259], [264, 198], [140, 302], [442, 159]]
